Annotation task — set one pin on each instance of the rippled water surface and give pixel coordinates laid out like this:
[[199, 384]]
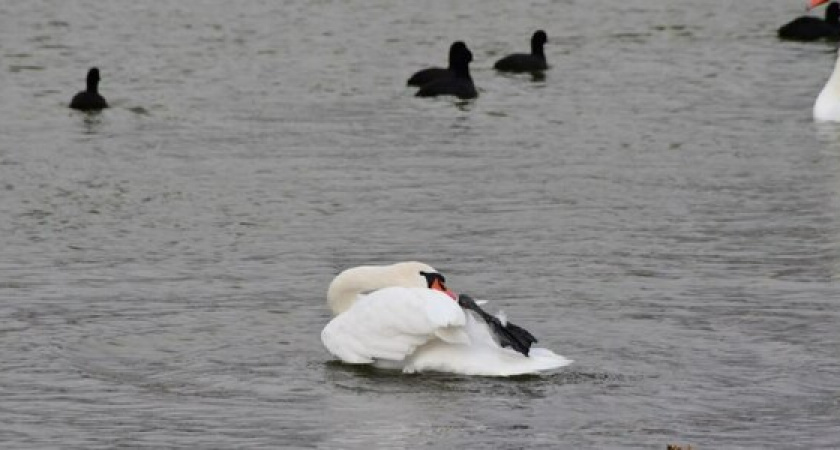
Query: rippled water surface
[[660, 208]]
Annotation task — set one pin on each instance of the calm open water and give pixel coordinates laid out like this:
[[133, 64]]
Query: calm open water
[[660, 208]]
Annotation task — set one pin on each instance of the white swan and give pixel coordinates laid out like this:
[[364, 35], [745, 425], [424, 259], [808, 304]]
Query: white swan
[[827, 106], [402, 316]]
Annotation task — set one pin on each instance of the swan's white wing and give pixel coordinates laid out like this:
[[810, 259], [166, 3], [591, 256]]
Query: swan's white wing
[[391, 323], [482, 357]]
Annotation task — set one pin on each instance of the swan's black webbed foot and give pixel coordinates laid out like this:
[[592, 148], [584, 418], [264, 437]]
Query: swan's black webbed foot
[[509, 334]]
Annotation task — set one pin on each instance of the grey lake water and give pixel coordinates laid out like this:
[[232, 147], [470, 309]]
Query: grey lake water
[[659, 208]]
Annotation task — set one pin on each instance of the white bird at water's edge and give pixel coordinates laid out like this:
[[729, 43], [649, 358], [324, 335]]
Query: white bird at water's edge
[[401, 316], [827, 106]]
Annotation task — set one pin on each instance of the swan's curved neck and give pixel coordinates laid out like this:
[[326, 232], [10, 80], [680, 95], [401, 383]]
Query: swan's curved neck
[[348, 285], [346, 288]]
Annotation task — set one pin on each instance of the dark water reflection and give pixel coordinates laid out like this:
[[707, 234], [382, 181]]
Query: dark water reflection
[[659, 208]]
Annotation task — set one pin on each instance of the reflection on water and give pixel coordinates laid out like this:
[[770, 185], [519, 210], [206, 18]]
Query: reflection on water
[[659, 208], [828, 133], [92, 121]]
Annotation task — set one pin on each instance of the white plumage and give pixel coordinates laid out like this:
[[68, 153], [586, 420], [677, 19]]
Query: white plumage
[[391, 323], [389, 317], [827, 106]]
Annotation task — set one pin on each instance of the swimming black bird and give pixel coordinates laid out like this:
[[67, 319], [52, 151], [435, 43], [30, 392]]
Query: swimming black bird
[[458, 81], [526, 62], [426, 76], [89, 99], [809, 28]]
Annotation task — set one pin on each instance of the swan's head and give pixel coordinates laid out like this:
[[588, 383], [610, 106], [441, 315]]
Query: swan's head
[[348, 285]]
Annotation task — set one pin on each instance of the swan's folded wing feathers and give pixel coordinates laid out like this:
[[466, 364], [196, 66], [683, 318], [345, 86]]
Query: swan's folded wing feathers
[[453, 335], [391, 323], [339, 342]]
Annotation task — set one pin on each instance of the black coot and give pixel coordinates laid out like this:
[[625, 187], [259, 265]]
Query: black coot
[[89, 99], [808, 28], [458, 81], [526, 62], [426, 76]]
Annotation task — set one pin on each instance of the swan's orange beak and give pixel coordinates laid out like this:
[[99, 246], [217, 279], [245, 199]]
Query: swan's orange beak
[[438, 285], [814, 3]]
